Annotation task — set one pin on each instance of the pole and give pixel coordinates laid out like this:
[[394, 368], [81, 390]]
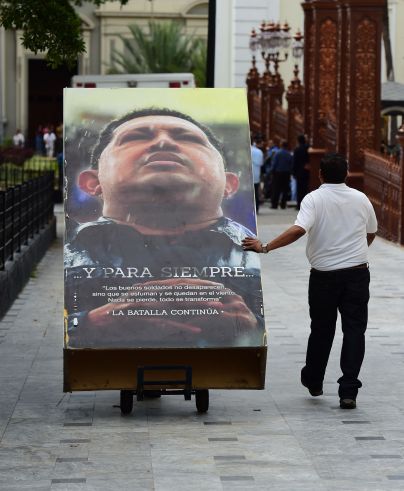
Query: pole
[[2, 74], [210, 63]]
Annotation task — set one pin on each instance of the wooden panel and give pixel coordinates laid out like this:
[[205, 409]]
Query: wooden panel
[[231, 368], [383, 186], [342, 60], [280, 120]]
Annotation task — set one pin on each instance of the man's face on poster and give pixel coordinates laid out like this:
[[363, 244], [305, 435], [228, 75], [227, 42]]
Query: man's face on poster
[[163, 158]]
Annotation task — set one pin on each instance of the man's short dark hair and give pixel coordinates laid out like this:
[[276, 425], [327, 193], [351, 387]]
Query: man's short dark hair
[[334, 168], [106, 134], [301, 139]]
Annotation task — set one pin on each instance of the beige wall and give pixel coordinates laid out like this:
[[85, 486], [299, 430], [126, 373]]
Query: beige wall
[[101, 28], [245, 15], [248, 14], [281, 10], [147, 7], [399, 41], [292, 12], [114, 21], [396, 17]]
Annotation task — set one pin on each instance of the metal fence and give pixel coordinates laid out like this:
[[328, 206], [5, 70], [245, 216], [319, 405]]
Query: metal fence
[[24, 209], [11, 174]]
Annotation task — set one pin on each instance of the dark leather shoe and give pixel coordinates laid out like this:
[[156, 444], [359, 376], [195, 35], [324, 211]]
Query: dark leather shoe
[[314, 391], [347, 403]]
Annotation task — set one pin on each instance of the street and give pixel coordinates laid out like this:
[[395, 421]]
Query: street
[[278, 439]]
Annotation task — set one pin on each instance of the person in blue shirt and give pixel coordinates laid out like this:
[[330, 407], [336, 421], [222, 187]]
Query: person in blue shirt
[[257, 159], [282, 168], [272, 149]]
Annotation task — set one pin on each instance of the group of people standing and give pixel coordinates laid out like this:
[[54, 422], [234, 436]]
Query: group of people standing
[[48, 140], [272, 172]]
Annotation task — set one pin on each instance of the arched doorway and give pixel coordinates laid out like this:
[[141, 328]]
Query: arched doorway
[[45, 94]]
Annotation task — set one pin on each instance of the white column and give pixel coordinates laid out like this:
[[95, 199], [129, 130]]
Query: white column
[[84, 65], [224, 44], [104, 45], [21, 83]]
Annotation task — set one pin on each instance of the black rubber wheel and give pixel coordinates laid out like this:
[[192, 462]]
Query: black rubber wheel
[[202, 400], [126, 401]]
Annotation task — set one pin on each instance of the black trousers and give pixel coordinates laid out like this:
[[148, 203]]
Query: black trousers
[[346, 291], [257, 195], [280, 187]]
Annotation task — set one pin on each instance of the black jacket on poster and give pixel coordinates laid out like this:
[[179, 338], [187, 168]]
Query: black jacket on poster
[[108, 244]]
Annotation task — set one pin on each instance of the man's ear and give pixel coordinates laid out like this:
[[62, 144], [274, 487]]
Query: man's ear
[[89, 183], [232, 184]]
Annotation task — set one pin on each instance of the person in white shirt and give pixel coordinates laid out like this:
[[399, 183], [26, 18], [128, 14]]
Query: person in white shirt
[[341, 224], [18, 139], [49, 139], [257, 159]]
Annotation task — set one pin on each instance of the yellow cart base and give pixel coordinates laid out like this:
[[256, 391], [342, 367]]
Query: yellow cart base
[[212, 368]]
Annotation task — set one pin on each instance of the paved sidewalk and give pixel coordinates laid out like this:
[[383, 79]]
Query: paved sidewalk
[[279, 439]]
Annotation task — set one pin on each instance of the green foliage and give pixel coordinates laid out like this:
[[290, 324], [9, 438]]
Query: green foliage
[[51, 25], [7, 143], [199, 61], [166, 49]]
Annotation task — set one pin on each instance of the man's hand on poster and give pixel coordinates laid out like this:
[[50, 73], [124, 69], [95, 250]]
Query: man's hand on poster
[[253, 244], [290, 235], [222, 319]]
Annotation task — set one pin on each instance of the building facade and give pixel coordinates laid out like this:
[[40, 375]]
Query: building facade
[[31, 94]]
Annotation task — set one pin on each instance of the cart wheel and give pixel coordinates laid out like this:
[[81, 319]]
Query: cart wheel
[[126, 401], [202, 400]]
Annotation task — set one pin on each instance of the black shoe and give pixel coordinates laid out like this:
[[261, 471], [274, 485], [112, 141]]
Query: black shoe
[[314, 391], [347, 403]]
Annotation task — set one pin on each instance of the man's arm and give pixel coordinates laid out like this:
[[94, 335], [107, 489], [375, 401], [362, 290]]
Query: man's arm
[[370, 238], [290, 235]]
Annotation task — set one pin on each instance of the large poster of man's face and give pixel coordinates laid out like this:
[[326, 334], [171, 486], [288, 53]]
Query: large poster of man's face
[[159, 196]]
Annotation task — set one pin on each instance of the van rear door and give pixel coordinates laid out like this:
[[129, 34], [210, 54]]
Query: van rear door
[[141, 80]]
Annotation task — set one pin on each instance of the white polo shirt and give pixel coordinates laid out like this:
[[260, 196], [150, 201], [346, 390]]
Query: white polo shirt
[[336, 219]]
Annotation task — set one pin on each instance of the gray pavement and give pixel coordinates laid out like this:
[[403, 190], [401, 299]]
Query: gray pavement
[[279, 439]]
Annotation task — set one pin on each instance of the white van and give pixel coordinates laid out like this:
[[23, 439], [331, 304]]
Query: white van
[[133, 80]]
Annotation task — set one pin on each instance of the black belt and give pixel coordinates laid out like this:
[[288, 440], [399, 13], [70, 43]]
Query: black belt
[[359, 266]]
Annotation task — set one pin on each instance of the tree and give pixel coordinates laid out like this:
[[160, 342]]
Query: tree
[[166, 49], [51, 25]]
